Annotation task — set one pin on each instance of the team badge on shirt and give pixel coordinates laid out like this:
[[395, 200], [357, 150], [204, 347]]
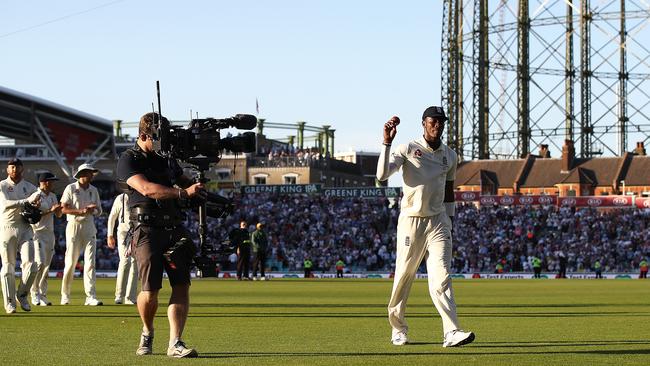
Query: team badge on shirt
[[10, 189], [418, 153], [445, 163]]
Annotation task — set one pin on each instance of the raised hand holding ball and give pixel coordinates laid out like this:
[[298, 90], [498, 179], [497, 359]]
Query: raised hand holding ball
[[390, 129]]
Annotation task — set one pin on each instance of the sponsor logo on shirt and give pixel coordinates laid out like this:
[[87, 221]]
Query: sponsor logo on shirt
[[407, 241], [10, 189], [418, 153], [445, 163]]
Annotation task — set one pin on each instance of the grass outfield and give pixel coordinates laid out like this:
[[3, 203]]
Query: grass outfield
[[343, 322]]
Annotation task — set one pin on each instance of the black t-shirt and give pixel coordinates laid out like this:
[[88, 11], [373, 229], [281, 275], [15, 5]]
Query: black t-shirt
[[241, 238], [155, 168]]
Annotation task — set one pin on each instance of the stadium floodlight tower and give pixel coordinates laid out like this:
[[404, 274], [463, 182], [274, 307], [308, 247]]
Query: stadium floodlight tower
[[511, 75]]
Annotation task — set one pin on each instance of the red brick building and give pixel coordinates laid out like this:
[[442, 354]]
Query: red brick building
[[565, 176]]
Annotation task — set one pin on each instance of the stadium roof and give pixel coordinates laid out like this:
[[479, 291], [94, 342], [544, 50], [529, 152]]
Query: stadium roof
[[547, 172], [66, 132]]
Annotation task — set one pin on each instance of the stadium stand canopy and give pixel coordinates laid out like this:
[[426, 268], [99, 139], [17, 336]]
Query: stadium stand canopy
[[66, 133]]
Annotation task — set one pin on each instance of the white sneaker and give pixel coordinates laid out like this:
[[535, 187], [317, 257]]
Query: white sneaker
[[10, 308], [180, 350], [24, 303], [93, 301], [263, 279], [118, 301], [146, 345], [457, 338], [65, 300], [36, 299], [129, 302], [400, 339], [255, 278], [44, 301]]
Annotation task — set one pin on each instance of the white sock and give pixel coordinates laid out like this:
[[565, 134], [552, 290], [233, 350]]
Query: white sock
[[173, 341], [147, 333]]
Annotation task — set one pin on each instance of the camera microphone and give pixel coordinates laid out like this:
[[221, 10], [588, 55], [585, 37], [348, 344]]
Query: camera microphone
[[244, 121], [239, 121]]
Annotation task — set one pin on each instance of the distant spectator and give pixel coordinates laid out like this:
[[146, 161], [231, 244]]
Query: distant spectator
[[260, 247], [241, 238], [307, 264]]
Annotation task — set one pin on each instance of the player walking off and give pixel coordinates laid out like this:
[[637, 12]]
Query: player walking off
[[127, 272], [424, 225], [16, 236], [44, 237], [80, 201]]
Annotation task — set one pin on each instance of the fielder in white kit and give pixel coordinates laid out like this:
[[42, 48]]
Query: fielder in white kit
[[16, 236], [44, 237], [425, 223], [80, 201], [127, 270]]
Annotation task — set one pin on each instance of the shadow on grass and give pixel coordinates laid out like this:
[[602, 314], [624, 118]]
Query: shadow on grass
[[557, 344], [419, 315], [405, 354], [346, 315], [383, 306]]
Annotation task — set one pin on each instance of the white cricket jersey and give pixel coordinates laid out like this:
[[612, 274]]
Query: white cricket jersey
[[12, 198], [424, 172], [47, 221], [78, 198], [120, 213]]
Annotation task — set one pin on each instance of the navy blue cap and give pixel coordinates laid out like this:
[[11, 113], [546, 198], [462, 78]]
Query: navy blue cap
[[434, 112], [47, 176], [15, 161]]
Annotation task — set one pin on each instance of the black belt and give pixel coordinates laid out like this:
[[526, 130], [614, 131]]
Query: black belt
[[154, 217]]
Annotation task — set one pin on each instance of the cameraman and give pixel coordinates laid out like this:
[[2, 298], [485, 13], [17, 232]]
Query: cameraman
[[157, 228]]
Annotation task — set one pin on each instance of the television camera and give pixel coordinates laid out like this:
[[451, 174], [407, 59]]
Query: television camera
[[199, 145]]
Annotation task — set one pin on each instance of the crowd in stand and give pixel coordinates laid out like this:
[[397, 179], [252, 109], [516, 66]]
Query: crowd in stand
[[290, 156], [361, 232], [511, 237]]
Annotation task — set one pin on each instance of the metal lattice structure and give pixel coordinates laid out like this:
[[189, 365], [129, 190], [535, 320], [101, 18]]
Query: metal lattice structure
[[519, 74], [322, 137]]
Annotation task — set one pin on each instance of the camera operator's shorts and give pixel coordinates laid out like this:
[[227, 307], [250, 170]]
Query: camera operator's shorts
[[150, 245]]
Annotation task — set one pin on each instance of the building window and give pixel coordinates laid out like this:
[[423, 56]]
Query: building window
[[259, 179], [291, 178], [222, 174]]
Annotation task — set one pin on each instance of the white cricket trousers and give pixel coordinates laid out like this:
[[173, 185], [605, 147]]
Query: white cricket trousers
[[419, 238], [127, 271], [78, 236], [15, 239], [44, 250]]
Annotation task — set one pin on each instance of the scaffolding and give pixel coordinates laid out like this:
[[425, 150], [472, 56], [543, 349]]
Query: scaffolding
[[511, 74]]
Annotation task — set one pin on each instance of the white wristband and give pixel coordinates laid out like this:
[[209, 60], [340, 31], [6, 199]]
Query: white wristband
[[450, 208]]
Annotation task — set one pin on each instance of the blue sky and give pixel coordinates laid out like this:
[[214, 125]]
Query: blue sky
[[350, 64]]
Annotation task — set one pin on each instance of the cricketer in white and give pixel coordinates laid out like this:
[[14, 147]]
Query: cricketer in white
[[80, 201], [16, 236], [424, 225], [127, 269], [44, 237]]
